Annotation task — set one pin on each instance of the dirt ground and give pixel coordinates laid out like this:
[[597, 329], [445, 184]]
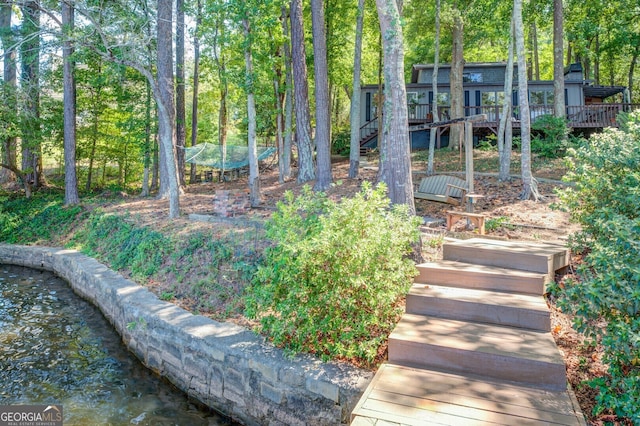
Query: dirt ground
[[508, 217]]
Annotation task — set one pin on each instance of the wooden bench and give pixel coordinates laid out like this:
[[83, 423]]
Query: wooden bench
[[442, 188], [475, 218]]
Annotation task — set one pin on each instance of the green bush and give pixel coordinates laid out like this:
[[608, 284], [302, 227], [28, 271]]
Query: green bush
[[550, 136], [606, 298], [332, 281], [341, 143]]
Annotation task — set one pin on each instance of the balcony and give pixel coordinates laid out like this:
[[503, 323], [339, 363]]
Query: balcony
[[578, 116]]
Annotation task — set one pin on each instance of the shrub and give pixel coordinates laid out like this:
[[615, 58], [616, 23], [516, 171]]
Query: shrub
[[332, 281], [604, 201], [341, 144], [550, 136]]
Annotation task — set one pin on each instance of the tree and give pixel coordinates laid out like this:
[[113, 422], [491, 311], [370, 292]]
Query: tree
[[395, 127], [30, 75], [284, 160], [166, 110], [254, 178], [457, 67], [354, 147], [180, 92], [196, 85], [434, 87], [301, 91], [558, 60], [505, 129], [9, 108], [528, 183], [321, 90], [70, 180]]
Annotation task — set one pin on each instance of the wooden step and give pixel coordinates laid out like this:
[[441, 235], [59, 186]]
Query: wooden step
[[482, 277], [527, 256], [514, 310], [521, 356], [408, 396]]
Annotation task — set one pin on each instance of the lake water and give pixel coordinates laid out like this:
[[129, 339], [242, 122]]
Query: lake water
[[57, 348]]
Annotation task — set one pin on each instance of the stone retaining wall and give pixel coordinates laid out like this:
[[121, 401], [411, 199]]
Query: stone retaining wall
[[224, 366]]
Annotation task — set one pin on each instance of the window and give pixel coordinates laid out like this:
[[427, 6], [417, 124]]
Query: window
[[412, 102], [541, 97], [492, 98], [492, 101], [472, 77]]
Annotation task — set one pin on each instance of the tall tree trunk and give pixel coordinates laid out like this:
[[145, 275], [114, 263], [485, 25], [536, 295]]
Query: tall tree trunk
[[396, 122], [382, 142], [30, 56], [457, 93], [92, 151], [254, 177], [69, 88], [155, 164], [505, 130], [196, 86], [166, 110], [221, 65], [354, 147], [180, 95], [285, 167], [8, 147], [632, 67], [147, 141], [596, 59], [533, 36], [321, 90], [525, 116], [306, 169], [558, 58], [434, 87]]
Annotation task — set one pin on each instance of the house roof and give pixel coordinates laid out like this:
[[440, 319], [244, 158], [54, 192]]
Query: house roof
[[415, 70], [602, 92]]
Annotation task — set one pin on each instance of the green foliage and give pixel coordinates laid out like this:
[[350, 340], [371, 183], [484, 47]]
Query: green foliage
[[332, 281], [39, 218], [604, 201], [489, 143], [495, 223], [550, 136], [341, 144], [124, 245]]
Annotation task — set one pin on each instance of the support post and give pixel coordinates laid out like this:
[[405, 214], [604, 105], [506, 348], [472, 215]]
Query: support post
[[468, 152]]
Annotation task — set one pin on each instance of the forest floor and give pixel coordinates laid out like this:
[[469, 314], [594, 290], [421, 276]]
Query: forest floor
[[508, 217]]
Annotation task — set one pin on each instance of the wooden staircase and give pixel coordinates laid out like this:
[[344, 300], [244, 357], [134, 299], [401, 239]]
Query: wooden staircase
[[474, 346]]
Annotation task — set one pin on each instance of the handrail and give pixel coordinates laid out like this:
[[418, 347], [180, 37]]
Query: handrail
[[580, 116]]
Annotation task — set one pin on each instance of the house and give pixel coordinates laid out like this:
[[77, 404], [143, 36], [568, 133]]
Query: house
[[589, 107]]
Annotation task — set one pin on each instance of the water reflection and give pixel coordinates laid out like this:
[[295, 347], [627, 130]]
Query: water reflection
[[57, 348]]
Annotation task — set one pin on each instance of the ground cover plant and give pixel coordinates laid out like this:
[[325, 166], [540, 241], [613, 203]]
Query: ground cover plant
[[605, 300]]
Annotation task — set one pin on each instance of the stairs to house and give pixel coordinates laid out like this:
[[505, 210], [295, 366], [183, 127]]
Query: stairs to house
[[474, 346]]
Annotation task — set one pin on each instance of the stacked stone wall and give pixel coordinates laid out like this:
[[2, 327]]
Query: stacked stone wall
[[224, 366]]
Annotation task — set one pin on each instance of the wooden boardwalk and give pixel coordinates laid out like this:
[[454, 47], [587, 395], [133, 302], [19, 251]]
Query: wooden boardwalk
[[474, 347], [400, 395]]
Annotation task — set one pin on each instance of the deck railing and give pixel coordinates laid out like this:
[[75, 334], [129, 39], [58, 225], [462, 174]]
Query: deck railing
[[586, 116]]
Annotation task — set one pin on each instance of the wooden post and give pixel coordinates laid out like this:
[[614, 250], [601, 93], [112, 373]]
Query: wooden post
[[468, 151]]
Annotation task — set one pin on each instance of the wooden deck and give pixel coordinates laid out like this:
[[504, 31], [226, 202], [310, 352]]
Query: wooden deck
[[587, 117], [474, 346], [401, 395]]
